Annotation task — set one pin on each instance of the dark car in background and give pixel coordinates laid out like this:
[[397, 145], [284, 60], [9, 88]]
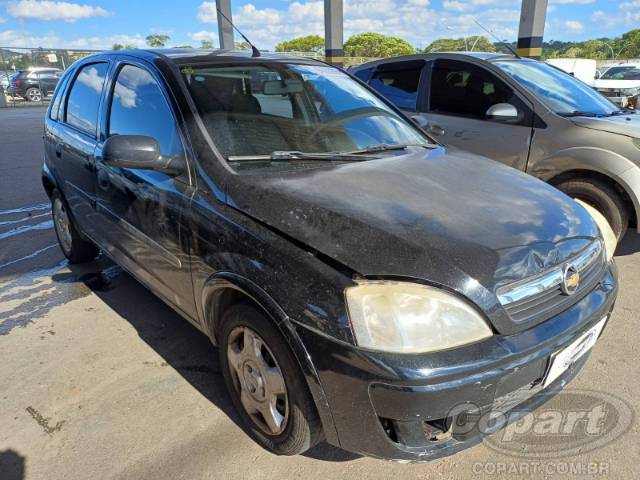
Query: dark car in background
[[35, 83], [362, 283], [526, 114]]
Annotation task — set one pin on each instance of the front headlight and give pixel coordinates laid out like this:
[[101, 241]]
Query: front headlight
[[408, 317]]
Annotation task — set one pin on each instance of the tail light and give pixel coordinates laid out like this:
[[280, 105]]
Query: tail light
[[18, 81]]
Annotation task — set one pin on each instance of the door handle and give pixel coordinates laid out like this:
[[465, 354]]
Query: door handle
[[58, 150]]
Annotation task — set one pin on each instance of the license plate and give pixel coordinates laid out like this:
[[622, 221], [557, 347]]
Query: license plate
[[562, 360]]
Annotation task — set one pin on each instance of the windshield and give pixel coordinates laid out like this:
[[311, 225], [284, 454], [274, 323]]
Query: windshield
[[622, 73], [558, 90], [259, 110]]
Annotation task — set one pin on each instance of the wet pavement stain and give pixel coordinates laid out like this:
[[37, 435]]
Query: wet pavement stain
[[44, 289], [44, 422]]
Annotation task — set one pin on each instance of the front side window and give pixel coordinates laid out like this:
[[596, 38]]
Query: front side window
[[622, 73], [459, 88], [84, 97], [399, 83], [253, 110], [138, 107], [559, 91]]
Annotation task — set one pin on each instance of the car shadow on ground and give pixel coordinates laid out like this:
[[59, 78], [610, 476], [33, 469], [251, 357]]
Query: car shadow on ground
[[629, 245], [181, 345]]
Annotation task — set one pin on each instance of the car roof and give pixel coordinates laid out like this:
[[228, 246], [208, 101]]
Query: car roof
[[191, 56], [636, 65], [486, 56]]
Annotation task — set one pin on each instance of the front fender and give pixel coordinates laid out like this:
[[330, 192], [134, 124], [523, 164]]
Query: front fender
[[599, 160], [225, 280]]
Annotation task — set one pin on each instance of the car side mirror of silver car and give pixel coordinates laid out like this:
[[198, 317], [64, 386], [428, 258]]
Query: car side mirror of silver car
[[503, 112], [140, 152]]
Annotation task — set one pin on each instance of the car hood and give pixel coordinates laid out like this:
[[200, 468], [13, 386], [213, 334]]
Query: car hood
[[445, 216], [615, 84], [628, 125]]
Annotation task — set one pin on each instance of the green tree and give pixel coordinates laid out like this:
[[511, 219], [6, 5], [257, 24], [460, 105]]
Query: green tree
[[370, 44], [629, 44], [117, 46], [207, 44], [157, 41], [242, 45], [308, 43], [476, 42]]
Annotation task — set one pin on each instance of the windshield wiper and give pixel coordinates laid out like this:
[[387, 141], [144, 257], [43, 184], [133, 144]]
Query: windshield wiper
[[624, 111], [579, 113], [385, 147], [288, 155]]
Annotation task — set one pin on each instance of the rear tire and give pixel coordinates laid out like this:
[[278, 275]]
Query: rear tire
[[74, 247], [256, 390], [33, 94], [601, 196]]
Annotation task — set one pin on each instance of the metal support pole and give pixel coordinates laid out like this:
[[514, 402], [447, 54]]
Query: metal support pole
[[333, 37], [532, 17], [225, 30]]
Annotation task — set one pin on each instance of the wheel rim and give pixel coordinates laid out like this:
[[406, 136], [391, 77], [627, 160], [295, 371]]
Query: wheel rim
[[62, 224], [258, 380], [34, 95]]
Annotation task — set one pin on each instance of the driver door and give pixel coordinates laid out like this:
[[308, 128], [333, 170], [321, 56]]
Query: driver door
[[459, 95]]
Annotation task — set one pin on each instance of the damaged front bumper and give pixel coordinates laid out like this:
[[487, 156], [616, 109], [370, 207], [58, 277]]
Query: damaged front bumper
[[421, 407]]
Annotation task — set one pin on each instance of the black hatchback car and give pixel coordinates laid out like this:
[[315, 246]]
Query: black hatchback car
[[363, 283]]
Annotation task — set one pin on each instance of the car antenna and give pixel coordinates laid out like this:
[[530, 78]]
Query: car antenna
[[504, 42], [254, 51]]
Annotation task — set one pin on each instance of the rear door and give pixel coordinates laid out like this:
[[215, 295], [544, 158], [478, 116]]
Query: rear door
[[459, 94], [75, 139], [140, 211]]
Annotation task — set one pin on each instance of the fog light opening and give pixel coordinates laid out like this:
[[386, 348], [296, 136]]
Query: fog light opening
[[438, 430]]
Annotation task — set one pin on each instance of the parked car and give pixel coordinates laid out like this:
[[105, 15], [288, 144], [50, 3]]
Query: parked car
[[621, 84], [359, 279], [4, 79], [35, 83], [582, 68], [526, 114]]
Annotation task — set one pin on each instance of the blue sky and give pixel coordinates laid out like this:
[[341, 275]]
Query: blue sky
[[100, 23]]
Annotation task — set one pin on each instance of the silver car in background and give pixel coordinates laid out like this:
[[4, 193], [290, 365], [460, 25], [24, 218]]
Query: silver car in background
[[526, 114]]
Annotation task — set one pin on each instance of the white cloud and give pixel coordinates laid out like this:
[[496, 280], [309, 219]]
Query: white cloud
[[48, 10], [203, 35], [413, 20], [14, 38], [469, 5], [574, 26], [3, 20]]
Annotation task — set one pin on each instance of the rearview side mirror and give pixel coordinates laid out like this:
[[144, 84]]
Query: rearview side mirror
[[141, 152], [503, 112]]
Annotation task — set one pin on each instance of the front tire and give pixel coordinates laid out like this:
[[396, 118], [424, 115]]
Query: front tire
[[71, 243], [601, 196], [265, 383]]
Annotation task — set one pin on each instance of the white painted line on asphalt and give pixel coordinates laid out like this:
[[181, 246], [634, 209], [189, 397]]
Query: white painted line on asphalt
[[27, 257]]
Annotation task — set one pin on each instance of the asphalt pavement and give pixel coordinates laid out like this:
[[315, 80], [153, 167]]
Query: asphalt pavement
[[100, 380]]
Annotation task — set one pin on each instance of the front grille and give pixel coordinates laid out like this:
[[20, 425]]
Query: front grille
[[542, 296]]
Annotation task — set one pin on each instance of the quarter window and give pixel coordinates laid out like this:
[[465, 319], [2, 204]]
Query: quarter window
[[84, 97], [140, 108], [399, 83], [460, 88]]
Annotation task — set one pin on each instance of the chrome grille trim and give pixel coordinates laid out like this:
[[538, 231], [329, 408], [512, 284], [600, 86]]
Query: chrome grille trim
[[550, 279]]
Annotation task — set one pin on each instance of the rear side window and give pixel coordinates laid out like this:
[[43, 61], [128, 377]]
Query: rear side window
[[399, 83], [84, 97], [139, 107], [55, 103], [460, 88]]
